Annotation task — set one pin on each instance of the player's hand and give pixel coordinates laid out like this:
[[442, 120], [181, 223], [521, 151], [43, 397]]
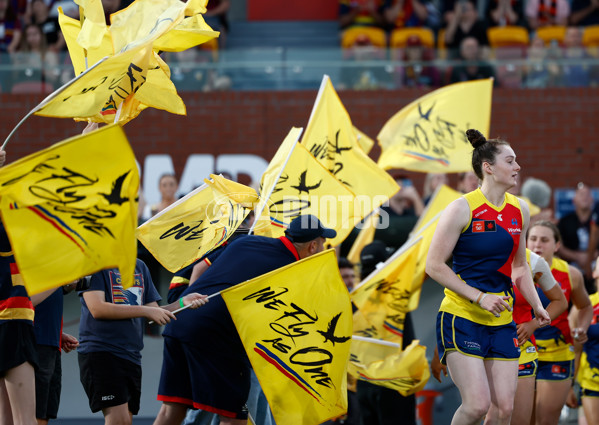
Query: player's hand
[[580, 335], [195, 300], [159, 315], [526, 330], [495, 304], [68, 342], [572, 400], [2, 157], [542, 317]]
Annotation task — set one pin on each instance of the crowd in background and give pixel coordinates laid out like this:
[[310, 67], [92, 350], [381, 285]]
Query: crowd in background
[[429, 43]]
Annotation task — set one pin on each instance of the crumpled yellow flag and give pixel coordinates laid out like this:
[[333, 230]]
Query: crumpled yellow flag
[[197, 223], [365, 142], [388, 366], [429, 135], [383, 297], [298, 338], [331, 138], [440, 199], [71, 209], [303, 187], [143, 23]]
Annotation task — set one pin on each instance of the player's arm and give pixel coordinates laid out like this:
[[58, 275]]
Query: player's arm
[[100, 309]]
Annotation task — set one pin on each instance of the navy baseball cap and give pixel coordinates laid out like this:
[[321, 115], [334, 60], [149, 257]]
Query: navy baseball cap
[[306, 228]]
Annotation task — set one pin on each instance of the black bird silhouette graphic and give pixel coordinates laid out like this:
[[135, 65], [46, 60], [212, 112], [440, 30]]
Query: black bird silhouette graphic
[[329, 335], [303, 187], [335, 148], [115, 197], [427, 115]]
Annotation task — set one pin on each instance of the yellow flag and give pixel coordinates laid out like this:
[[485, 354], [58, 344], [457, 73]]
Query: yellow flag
[[384, 295], [429, 135], [191, 32], [330, 137], [94, 29], [197, 223], [365, 237], [365, 142], [303, 187], [101, 88], [388, 366], [298, 338], [71, 210]]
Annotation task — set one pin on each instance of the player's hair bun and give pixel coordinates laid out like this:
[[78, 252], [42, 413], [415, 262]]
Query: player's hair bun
[[475, 138]]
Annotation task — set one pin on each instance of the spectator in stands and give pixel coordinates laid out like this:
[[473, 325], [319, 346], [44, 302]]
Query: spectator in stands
[[467, 182], [367, 13], [575, 231], [39, 13], [539, 193], [35, 62], [10, 25], [584, 13], [576, 74], [500, 13], [542, 67], [365, 77], [417, 69], [410, 13], [473, 67], [431, 182], [465, 24], [216, 17], [541, 13]]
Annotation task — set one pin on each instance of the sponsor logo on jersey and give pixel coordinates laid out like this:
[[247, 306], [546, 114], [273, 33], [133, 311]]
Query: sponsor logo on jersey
[[484, 226], [478, 214], [514, 222], [499, 217], [515, 342]]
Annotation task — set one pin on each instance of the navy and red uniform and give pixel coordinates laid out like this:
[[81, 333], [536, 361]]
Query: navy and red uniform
[[180, 280], [17, 340], [588, 371], [482, 258], [205, 365]]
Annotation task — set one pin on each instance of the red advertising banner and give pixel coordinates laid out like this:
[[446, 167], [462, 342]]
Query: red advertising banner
[[305, 10]]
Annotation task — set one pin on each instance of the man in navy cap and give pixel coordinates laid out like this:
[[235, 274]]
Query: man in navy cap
[[205, 365]]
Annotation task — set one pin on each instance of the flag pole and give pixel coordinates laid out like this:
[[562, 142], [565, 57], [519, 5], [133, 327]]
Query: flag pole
[[151, 322], [257, 216], [375, 341], [50, 97]]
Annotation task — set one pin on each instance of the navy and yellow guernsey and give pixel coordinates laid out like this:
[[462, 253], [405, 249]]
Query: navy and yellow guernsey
[[14, 301], [588, 372], [483, 256]]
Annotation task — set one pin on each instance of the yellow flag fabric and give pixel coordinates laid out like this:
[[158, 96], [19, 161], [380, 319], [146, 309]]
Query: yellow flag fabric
[[330, 137], [197, 223], [405, 371], [100, 89], [429, 135], [365, 237], [298, 338], [94, 29], [384, 295], [145, 77], [191, 32], [71, 210], [303, 187], [365, 142]]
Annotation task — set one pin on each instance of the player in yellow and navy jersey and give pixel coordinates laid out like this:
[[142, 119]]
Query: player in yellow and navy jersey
[[484, 231], [588, 371], [554, 343]]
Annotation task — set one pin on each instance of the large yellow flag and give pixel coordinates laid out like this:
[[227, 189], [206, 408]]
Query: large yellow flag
[[197, 223], [331, 138], [146, 78], [387, 365], [429, 134], [298, 338], [303, 187], [71, 210], [383, 297]]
